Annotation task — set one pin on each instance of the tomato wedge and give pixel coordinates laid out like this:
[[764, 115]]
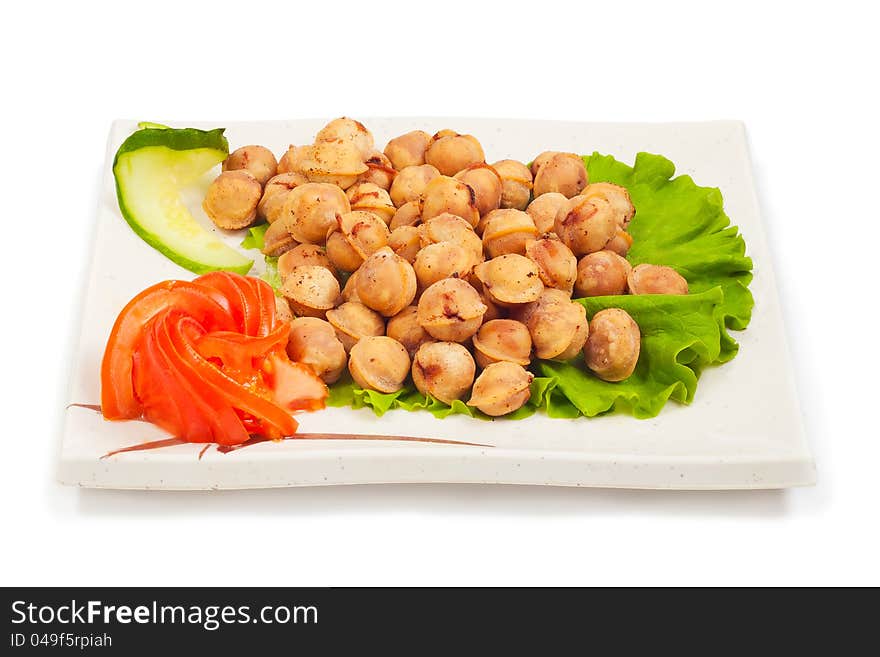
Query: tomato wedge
[[205, 305], [238, 351], [229, 389], [294, 385], [243, 299], [266, 296], [206, 361], [221, 422]]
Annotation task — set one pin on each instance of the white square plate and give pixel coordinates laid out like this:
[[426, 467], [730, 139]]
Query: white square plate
[[742, 431]]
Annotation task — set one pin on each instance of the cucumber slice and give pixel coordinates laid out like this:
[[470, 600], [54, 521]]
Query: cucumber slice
[[150, 168]]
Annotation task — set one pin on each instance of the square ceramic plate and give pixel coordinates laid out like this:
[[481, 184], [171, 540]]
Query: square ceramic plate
[[743, 430]]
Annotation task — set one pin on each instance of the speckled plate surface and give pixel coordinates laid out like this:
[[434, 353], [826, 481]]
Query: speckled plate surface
[[742, 431]]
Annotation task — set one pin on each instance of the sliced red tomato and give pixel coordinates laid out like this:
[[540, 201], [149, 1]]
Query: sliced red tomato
[[156, 386], [224, 424], [294, 385], [229, 389], [206, 361], [204, 304], [166, 398], [238, 351], [243, 298], [266, 296]]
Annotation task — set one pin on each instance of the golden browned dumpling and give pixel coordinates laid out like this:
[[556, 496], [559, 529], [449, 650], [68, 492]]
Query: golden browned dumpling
[[503, 339], [620, 243], [310, 211], [405, 241], [291, 161], [557, 324], [342, 254], [451, 152], [541, 160], [451, 310], [277, 240], [405, 328], [353, 321], [444, 370], [356, 236], [345, 130], [371, 198], [256, 160], [283, 313], [408, 214], [444, 194], [311, 290], [408, 150], [601, 273], [617, 196], [275, 193], [231, 200], [448, 227], [502, 388], [303, 254], [557, 265], [379, 171], [379, 363], [338, 163], [613, 347], [507, 231], [516, 184], [441, 260], [656, 279], [386, 282], [410, 183], [585, 225], [510, 279], [562, 172], [543, 210], [493, 310], [486, 183], [314, 343]]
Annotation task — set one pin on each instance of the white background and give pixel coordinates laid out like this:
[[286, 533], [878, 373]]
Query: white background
[[802, 77]]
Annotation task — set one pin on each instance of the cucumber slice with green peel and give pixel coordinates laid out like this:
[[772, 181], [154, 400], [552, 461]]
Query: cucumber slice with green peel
[[151, 167]]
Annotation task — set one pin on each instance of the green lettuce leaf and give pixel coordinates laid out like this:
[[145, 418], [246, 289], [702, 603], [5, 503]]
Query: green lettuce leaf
[[346, 392], [149, 125], [255, 239], [680, 336], [684, 226], [678, 224]]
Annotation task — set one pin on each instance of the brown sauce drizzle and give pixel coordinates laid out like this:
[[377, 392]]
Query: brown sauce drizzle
[[91, 407], [254, 440], [97, 409], [366, 436], [153, 444]]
